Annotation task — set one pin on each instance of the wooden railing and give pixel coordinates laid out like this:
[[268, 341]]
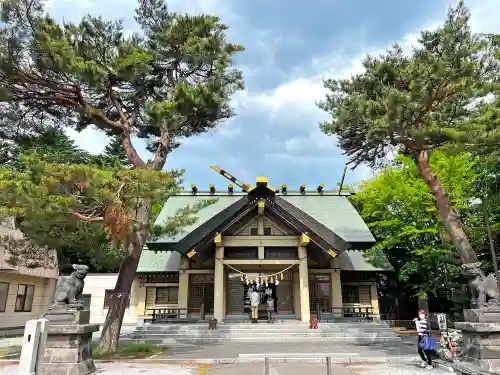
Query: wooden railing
[[174, 315], [345, 312]]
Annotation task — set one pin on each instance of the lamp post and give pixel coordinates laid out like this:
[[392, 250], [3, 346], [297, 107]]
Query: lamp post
[[479, 202]]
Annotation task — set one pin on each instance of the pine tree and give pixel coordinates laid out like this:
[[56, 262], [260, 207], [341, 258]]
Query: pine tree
[[417, 103], [114, 154], [173, 80]]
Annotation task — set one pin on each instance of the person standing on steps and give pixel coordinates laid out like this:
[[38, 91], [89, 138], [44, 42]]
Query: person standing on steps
[[270, 309], [422, 325], [254, 303]]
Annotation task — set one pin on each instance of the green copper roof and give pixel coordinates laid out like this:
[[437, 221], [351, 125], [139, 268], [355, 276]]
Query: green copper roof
[[354, 260], [331, 210], [334, 212], [178, 202], [159, 261]]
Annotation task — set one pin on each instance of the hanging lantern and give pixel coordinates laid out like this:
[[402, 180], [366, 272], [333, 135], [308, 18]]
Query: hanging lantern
[[241, 277], [247, 281], [271, 280], [267, 284], [277, 282], [261, 281]]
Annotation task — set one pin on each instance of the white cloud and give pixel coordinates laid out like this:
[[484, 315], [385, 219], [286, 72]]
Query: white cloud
[[89, 139], [292, 103], [297, 98], [484, 17]]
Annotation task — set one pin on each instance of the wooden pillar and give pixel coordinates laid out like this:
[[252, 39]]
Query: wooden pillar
[[140, 309], [305, 311], [219, 284], [336, 292], [336, 288], [183, 284], [374, 302]]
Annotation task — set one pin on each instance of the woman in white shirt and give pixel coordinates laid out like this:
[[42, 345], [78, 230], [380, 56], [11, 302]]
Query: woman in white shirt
[[423, 329]]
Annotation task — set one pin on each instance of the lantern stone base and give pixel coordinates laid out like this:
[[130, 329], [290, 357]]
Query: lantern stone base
[[481, 336], [68, 350]]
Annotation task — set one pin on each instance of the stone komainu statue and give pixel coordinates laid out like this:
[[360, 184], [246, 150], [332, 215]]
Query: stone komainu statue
[[484, 289], [69, 288]]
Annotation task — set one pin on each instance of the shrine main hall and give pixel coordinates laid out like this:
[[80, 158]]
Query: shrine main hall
[[303, 248]]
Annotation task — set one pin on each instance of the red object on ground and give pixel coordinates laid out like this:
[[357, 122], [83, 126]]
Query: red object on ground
[[314, 323]]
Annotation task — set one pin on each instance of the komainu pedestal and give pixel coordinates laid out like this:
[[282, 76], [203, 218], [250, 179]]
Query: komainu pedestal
[[481, 336], [68, 350]]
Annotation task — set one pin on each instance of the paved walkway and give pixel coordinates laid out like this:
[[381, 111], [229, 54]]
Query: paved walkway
[[253, 369], [7, 342], [234, 350], [133, 369], [317, 369]]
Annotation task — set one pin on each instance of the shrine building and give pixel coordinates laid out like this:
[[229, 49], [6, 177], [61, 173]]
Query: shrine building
[[302, 248]]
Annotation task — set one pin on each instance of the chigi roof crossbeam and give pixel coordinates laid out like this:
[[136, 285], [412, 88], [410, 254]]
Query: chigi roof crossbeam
[[262, 188]]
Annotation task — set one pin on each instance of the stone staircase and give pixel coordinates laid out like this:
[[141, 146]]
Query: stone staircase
[[279, 332]]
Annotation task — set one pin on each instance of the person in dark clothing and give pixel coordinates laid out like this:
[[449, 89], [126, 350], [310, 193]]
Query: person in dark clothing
[[423, 329]]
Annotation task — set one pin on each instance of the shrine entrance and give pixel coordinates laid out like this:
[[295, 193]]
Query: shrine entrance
[[239, 291]]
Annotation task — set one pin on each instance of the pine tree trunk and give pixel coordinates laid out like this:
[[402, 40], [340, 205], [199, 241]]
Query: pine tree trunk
[[110, 336], [450, 219]]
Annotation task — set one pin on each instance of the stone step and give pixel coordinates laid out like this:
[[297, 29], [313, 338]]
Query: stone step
[[218, 333], [292, 332], [268, 331], [268, 339], [188, 338], [262, 324]]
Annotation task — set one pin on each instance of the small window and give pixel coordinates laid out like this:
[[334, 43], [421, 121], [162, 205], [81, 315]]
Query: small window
[[4, 293], [167, 295], [350, 294], [319, 277], [107, 298], [24, 298], [267, 231], [254, 231]]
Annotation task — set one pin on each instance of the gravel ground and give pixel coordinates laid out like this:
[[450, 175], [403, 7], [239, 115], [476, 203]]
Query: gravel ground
[[393, 369], [253, 369], [320, 369], [132, 369]]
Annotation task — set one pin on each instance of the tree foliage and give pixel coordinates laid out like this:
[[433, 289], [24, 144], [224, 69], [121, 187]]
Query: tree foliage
[[78, 243], [57, 197], [173, 79], [402, 215], [416, 102]]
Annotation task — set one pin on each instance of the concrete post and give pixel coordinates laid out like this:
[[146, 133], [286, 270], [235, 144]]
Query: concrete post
[[219, 284], [29, 351], [44, 329], [305, 311]]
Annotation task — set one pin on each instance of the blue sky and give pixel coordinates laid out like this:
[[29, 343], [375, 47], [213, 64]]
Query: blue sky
[[290, 48]]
